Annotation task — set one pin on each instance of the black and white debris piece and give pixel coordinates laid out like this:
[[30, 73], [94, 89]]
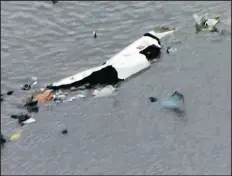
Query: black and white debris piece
[[94, 34], [23, 118], [33, 82]]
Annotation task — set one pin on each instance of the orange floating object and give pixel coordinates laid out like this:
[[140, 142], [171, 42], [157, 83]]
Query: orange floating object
[[44, 96]]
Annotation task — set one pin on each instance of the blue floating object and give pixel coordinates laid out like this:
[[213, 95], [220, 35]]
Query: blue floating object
[[174, 102]]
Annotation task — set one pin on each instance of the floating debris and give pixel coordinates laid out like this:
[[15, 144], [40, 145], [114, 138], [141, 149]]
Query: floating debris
[[23, 118], [30, 85], [75, 97], [203, 23], [64, 131], [173, 102], [16, 136], [31, 102], [33, 109], [28, 121], [170, 50], [32, 105], [3, 140], [10, 92], [44, 96], [94, 34], [153, 99], [106, 91], [26, 87]]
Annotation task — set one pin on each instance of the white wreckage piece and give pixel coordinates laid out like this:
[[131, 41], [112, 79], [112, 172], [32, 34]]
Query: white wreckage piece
[[203, 23], [131, 60]]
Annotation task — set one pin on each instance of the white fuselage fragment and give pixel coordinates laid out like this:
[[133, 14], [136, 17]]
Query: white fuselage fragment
[[127, 62]]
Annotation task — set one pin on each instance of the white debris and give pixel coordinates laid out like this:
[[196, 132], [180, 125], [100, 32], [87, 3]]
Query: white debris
[[28, 121], [106, 91], [75, 97]]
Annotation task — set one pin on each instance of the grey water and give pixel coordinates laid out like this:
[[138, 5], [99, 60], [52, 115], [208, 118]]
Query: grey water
[[123, 134]]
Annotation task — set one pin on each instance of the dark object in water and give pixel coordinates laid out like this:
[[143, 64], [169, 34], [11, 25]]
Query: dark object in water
[[21, 117], [10, 92], [153, 99], [3, 140], [26, 87], [94, 34], [32, 82], [54, 1], [65, 131], [32, 105], [151, 52], [106, 76], [168, 48], [34, 109], [1, 97]]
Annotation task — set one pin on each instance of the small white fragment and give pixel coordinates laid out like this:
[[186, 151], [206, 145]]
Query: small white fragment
[[106, 91], [28, 121], [34, 78], [74, 98], [42, 89]]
